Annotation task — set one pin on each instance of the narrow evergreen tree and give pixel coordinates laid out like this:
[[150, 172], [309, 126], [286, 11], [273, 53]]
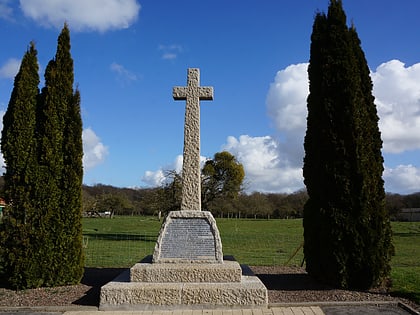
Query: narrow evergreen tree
[[346, 228], [72, 191], [42, 146], [18, 135], [18, 146], [60, 155]]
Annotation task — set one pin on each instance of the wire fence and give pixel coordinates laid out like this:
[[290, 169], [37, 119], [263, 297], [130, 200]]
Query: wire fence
[[125, 249]]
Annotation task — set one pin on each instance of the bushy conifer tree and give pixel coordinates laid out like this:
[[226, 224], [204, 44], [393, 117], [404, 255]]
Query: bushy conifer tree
[[72, 191], [42, 145], [18, 144], [60, 154], [346, 228]]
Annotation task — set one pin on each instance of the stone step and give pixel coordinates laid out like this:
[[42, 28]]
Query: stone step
[[228, 271], [250, 292]]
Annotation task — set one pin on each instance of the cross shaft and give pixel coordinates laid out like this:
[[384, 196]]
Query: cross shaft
[[191, 178]]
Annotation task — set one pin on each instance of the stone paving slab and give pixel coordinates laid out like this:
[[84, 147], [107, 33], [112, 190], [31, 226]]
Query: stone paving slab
[[293, 310]]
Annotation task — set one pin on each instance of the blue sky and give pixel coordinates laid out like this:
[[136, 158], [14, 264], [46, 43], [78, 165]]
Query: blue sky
[[128, 54]]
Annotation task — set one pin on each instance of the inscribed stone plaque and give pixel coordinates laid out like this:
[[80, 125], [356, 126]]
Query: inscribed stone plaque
[[189, 236]]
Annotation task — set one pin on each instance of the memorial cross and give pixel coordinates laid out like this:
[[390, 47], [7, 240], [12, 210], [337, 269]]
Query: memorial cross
[[191, 178]]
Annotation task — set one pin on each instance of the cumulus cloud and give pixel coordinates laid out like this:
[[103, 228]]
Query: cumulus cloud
[[10, 68], [94, 151], [402, 179], [286, 98], [397, 92], [286, 107], [274, 163], [82, 15], [266, 169], [122, 73], [159, 177], [154, 178]]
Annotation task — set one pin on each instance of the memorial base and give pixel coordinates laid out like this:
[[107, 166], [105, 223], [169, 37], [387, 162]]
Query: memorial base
[[187, 271], [124, 294]]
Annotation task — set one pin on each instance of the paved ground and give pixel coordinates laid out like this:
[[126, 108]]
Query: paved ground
[[365, 309], [368, 309], [298, 310]]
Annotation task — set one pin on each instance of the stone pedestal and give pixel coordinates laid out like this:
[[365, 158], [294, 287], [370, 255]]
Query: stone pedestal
[[186, 271]]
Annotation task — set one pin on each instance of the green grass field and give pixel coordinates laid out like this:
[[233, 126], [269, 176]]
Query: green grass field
[[123, 241]]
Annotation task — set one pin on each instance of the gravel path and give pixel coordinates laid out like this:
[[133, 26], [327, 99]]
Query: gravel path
[[284, 284]]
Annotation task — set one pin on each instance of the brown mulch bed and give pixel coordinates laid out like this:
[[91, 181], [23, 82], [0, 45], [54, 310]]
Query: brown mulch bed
[[284, 284]]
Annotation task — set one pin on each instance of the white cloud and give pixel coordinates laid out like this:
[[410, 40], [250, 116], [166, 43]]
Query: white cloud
[[402, 179], [83, 15], [94, 151], [397, 93], [154, 178], [122, 72], [286, 106], [266, 170], [10, 68], [159, 178], [6, 12], [170, 52], [274, 163], [286, 99]]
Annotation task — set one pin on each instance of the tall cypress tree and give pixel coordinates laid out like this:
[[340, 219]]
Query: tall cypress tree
[[72, 191], [60, 155], [346, 228], [18, 145], [42, 147], [18, 135]]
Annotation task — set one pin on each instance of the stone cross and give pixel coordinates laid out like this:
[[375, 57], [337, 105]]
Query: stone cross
[[191, 178]]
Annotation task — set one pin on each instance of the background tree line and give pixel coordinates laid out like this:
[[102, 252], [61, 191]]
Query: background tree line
[[149, 201]]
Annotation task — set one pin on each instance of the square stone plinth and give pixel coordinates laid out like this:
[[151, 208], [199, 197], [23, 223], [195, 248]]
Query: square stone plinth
[[228, 271], [250, 292]]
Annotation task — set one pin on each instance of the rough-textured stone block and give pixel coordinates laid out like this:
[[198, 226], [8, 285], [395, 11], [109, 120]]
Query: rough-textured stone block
[[250, 292], [132, 295], [228, 271]]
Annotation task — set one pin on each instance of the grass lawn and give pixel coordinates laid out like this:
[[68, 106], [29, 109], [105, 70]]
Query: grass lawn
[[405, 271], [123, 241]]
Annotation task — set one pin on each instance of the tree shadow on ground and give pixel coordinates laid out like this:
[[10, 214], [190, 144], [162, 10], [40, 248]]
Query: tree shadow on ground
[[122, 237], [96, 278]]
